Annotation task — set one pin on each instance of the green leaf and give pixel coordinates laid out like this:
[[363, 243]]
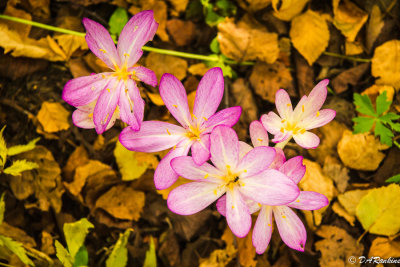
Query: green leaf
[[81, 258], [119, 254], [151, 258], [226, 7], [63, 255], [2, 208], [382, 104], [16, 248], [385, 134], [227, 71], [19, 166], [389, 117], [14, 150], [363, 124], [214, 46], [118, 20], [75, 234], [212, 18], [3, 149], [394, 179], [395, 126], [364, 105]]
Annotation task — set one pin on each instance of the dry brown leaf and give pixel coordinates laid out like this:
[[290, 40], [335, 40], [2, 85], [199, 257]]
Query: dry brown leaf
[[219, 257], [386, 64], [17, 234], [267, 79], [40, 8], [246, 250], [348, 18], [315, 180], [122, 202], [44, 182], [242, 42], [348, 77], [77, 158], [26, 47], [360, 151], [53, 117], [288, 9], [161, 64], [198, 69], [339, 210], [374, 27], [13, 10], [47, 243], [350, 199], [254, 5], [181, 31], [353, 48], [385, 248], [98, 144], [337, 172], [70, 43], [337, 246], [178, 6], [310, 35]]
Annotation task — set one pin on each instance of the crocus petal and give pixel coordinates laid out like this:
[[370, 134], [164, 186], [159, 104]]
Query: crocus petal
[[298, 112], [83, 119], [224, 147], [307, 140], [201, 149], [153, 136], [106, 105], [258, 134], [316, 98], [140, 29], [291, 228], [272, 122], [174, 96], [283, 104], [309, 200], [193, 197], [280, 137], [251, 205], [257, 160], [100, 43], [237, 213], [187, 168], [164, 175], [294, 168], [319, 119], [262, 230], [209, 94], [244, 148], [228, 117], [131, 105], [83, 90], [145, 75], [221, 205], [269, 187], [278, 160]]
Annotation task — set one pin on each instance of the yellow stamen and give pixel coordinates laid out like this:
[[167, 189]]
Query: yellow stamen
[[284, 217], [206, 176], [244, 170], [205, 118], [102, 50], [298, 200], [108, 90], [194, 116], [259, 139], [103, 76], [259, 205], [215, 191], [126, 55], [174, 147], [90, 115], [175, 106], [126, 90], [302, 108], [93, 88], [269, 224], [288, 105], [283, 121], [317, 113], [168, 132], [136, 27], [303, 131], [228, 167], [233, 207], [282, 130]]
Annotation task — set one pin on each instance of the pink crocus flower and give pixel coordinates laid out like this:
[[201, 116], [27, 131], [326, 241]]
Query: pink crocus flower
[[240, 179], [195, 128], [102, 98], [306, 116]]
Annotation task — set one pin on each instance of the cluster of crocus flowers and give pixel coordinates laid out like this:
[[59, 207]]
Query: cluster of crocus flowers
[[102, 98]]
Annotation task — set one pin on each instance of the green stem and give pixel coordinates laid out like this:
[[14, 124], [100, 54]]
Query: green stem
[[281, 145], [346, 57], [145, 48]]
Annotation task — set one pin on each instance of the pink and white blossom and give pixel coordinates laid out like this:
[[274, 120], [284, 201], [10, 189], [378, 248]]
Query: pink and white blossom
[[238, 178], [102, 98], [296, 123], [195, 129]]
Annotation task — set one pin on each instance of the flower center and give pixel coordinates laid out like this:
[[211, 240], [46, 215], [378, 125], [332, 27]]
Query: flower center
[[232, 179], [122, 73], [193, 133], [292, 127]]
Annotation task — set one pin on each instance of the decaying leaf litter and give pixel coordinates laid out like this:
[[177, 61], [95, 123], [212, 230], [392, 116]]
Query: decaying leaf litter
[[74, 175]]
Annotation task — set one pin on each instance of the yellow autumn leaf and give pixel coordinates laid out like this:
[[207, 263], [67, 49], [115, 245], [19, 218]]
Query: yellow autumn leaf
[[288, 9], [350, 199], [14, 150], [133, 164], [378, 211], [70, 43], [385, 248], [246, 250], [386, 63], [53, 117], [20, 166], [339, 210], [348, 18], [310, 35], [219, 257], [155, 99], [353, 48]]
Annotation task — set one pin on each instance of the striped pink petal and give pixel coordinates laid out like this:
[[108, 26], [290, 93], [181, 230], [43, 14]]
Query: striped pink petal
[[283, 104], [237, 213], [257, 160], [319, 119], [131, 105], [278, 160], [228, 117], [145, 75], [83, 119], [258, 134], [290, 227], [272, 122], [224, 147], [308, 200], [201, 149], [316, 98], [100, 43], [262, 230], [307, 140], [244, 148], [187, 168], [294, 169], [251, 205]]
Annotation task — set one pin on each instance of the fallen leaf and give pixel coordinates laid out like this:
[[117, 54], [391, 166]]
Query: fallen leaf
[[122, 202], [304, 74], [339, 210], [254, 5], [155, 99], [374, 27], [243, 42], [71, 43], [386, 64], [288, 9], [198, 69], [375, 90], [133, 164], [267, 79], [75, 234], [378, 210], [350, 199], [348, 77], [169, 248], [310, 35], [219, 257], [246, 250], [13, 10], [315, 180], [360, 151], [384, 248], [337, 172], [337, 246], [165, 192], [188, 226], [99, 143], [47, 243], [161, 64], [353, 48], [119, 254], [53, 117], [77, 158], [348, 18], [181, 31]]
